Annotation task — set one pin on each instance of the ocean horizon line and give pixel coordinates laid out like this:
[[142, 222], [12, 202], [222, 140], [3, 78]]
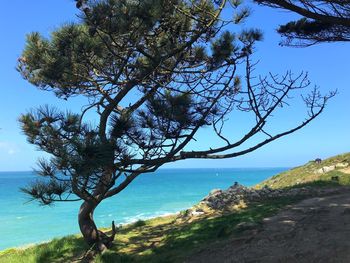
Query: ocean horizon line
[[184, 168], [167, 191]]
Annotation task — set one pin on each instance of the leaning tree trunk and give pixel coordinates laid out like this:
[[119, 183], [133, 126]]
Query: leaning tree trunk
[[88, 228]]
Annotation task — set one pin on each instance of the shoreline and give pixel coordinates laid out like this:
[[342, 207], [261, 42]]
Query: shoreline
[[168, 181], [30, 245]]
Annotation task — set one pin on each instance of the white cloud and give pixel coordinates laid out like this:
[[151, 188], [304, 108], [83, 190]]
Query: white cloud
[[8, 148], [11, 151]]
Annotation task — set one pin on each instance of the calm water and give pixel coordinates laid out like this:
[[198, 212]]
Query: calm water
[[165, 191]]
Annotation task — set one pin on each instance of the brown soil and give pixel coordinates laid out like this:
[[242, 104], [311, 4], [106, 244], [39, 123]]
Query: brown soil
[[314, 230], [345, 170]]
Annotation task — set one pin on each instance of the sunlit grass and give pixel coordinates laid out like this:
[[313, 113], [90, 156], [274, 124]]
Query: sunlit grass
[[163, 239], [173, 238], [307, 175], [57, 250]]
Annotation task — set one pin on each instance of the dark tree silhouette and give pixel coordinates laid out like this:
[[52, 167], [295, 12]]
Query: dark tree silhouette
[[154, 73], [322, 21]]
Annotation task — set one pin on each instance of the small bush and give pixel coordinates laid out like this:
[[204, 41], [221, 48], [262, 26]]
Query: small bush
[[140, 223]]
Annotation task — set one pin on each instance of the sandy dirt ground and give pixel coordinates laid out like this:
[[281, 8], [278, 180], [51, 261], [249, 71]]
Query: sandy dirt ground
[[345, 170], [314, 230]]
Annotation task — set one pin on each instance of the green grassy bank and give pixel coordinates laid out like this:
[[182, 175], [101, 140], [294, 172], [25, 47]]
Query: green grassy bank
[[173, 238], [164, 239], [309, 174]]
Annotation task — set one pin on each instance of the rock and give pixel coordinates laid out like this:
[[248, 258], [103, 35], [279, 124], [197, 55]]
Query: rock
[[212, 195], [320, 171], [197, 213], [327, 169], [254, 196], [215, 192], [267, 189], [236, 187], [234, 195], [218, 205], [341, 165]]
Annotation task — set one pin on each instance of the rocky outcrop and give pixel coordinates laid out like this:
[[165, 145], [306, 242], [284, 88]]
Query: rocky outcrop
[[341, 165], [326, 169], [236, 194]]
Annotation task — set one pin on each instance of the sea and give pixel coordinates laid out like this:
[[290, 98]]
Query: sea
[[163, 192]]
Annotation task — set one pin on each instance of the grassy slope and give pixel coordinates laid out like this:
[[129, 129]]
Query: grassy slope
[[164, 239], [307, 174], [172, 238]]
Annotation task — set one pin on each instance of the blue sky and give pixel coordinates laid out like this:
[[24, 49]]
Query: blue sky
[[327, 65]]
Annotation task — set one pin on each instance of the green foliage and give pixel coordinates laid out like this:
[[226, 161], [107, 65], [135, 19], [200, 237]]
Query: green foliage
[[45, 191], [223, 47], [139, 223], [61, 63], [322, 21], [240, 17], [155, 50], [77, 55], [153, 73], [304, 26]]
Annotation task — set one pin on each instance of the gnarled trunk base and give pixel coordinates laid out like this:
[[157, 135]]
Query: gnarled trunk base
[[92, 236]]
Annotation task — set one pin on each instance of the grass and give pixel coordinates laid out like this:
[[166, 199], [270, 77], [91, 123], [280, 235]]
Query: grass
[[54, 251], [307, 175], [163, 239], [139, 223], [173, 238]]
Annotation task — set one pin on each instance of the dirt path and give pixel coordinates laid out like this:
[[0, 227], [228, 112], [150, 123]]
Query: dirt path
[[314, 230], [345, 170]]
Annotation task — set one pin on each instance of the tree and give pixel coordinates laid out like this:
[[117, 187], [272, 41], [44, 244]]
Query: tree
[[154, 73], [322, 21]]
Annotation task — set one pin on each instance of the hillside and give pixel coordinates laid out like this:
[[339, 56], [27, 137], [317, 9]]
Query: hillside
[[313, 230], [221, 216], [164, 239], [313, 173]]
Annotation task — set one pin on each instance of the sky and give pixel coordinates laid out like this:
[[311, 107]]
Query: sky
[[327, 65]]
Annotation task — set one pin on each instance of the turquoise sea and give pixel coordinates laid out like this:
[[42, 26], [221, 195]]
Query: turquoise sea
[[163, 192]]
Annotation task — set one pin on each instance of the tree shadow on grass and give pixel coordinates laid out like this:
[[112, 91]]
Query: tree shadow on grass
[[173, 243]]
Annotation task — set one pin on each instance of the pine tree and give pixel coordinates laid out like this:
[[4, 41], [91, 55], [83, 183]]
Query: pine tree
[[322, 21], [154, 72]]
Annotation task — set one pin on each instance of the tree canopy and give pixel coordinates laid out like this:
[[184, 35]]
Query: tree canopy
[[154, 72], [322, 21]]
